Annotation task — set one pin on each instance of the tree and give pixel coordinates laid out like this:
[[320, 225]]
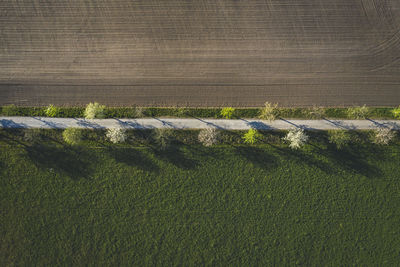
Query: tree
[[52, 111], [139, 112], [296, 138], [72, 136], [163, 137], [116, 135], [396, 112], [227, 113], [208, 137], [94, 111], [383, 136], [251, 137], [358, 112], [339, 138], [316, 113], [269, 112]]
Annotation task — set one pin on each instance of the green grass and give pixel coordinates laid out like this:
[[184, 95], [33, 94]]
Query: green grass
[[129, 112], [189, 205]]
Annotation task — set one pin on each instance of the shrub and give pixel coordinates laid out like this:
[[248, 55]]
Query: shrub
[[339, 138], [94, 110], [208, 137], [383, 136], [180, 112], [10, 110], [269, 112], [251, 137], [52, 111], [139, 112], [116, 135], [396, 112], [296, 138], [163, 137], [358, 112], [72, 136], [227, 113], [316, 113]]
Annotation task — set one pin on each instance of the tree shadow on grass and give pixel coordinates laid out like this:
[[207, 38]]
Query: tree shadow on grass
[[73, 162], [133, 157], [355, 159], [257, 156], [175, 155], [303, 157]]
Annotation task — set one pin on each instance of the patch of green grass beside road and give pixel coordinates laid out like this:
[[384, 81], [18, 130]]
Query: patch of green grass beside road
[[191, 205]]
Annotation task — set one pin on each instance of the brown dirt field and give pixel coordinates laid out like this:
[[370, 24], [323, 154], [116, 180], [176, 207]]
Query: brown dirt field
[[200, 52]]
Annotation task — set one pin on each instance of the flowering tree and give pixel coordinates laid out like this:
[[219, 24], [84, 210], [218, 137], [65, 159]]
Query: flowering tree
[[94, 110], [269, 112], [296, 138], [116, 135], [383, 136], [358, 112], [208, 137], [72, 136], [339, 138]]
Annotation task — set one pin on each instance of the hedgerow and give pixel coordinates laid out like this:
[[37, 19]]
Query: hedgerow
[[138, 112]]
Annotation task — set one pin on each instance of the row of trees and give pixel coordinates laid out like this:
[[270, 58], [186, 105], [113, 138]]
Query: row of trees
[[92, 111], [269, 112], [296, 138]]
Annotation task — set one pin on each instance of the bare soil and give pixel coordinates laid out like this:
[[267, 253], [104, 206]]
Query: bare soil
[[200, 53]]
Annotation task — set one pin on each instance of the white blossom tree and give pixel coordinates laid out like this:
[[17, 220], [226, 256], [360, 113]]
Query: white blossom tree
[[116, 135], [383, 136], [296, 138], [208, 137]]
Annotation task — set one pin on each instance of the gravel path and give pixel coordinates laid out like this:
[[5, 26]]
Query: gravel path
[[195, 123]]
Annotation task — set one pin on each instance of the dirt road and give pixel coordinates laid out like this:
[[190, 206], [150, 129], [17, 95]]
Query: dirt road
[[200, 52]]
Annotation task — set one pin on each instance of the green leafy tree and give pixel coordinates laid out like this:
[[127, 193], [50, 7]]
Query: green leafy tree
[[227, 113], [95, 111], [339, 137], [52, 111], [251, 137], [163, 137], [396, 112], [72, 136], [269, 112]]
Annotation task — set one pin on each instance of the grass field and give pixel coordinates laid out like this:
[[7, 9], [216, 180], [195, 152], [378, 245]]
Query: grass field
[[190, 205]]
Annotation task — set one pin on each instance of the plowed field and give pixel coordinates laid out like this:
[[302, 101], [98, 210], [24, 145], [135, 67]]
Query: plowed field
[[200, 53]]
